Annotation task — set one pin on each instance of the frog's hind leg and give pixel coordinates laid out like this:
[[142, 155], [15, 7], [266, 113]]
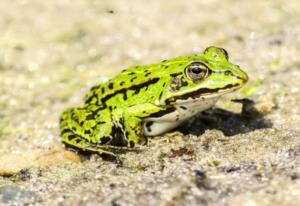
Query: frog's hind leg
[[81, 129], [77, 142]]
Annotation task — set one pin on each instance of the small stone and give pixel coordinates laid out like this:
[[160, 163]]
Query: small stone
[[200, 175], [10, 164], [201, 180], [13, 195], [28, 174]]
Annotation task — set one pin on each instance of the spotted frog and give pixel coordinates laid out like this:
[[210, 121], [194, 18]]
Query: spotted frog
[[149, 100]]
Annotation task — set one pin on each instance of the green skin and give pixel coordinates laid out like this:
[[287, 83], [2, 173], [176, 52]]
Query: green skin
[[115, 112]]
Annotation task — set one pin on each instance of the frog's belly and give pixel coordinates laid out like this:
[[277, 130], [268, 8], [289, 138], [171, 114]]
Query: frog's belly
[[183, 110]]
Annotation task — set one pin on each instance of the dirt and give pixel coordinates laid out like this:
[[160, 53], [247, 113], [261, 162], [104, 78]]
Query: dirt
[[241, 152]]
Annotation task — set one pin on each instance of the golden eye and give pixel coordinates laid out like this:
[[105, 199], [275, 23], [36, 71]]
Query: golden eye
[[196, 71]]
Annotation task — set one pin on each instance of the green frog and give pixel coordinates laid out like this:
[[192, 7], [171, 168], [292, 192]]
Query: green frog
[[149, 100]]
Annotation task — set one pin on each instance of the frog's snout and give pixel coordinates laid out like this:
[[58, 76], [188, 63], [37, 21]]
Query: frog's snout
[[243, 76], [240, 74]]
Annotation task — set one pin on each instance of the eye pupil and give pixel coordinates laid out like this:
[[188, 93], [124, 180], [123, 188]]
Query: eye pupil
[[196, 70]]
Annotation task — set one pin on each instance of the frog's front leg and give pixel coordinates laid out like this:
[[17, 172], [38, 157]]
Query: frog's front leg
[[133, 118]]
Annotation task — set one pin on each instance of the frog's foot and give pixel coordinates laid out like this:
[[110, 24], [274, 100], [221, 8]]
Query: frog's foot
[[86, 147], [80, 129], [134, 132]]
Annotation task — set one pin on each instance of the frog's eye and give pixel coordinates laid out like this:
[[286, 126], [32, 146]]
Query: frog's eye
[[196, 71]]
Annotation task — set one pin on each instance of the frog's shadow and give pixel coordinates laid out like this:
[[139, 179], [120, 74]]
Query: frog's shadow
[[228, 122]]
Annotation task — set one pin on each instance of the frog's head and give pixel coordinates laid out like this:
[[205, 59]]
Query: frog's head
[[204, 76]]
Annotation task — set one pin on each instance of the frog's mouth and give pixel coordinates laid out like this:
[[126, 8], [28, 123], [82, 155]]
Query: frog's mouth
[[204, 93]]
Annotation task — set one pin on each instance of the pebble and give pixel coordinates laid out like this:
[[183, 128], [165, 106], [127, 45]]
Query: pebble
[[11, 164], [13, 195]]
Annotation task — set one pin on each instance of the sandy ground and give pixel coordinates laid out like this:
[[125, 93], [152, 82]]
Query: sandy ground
[[53, 51]]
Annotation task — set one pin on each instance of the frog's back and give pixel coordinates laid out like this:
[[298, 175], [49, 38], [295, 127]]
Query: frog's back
[[132, 79], [140, 83]]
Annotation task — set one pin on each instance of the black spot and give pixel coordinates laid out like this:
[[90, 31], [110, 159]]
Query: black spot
[[133, 79], [166, 66], [110, 108], [71, 137], [90, 116], [147, 74], [95, 87], [100, 122], [122, 83], [121, 121], [102, 90], [131, 73], [164, 60], [104, 140], [136, 91], [131, 143], [160, 95], [183, 83], [87, 132], [124, 96], [89, 99], [183, 107], [111, 85], [78, 141], [175, 74], [164, 84], [66, 131], [148, 126], [163, 112], [94, 127]]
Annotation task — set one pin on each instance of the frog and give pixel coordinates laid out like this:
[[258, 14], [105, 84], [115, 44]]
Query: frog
[[149, 100]]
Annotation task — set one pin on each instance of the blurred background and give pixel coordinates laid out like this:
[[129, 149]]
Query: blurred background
[[53, 51]]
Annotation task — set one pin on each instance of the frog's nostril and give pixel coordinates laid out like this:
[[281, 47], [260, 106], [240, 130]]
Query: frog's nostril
[[228, 72]]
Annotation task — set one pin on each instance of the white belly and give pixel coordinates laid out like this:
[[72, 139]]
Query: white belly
[[183, 110]]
